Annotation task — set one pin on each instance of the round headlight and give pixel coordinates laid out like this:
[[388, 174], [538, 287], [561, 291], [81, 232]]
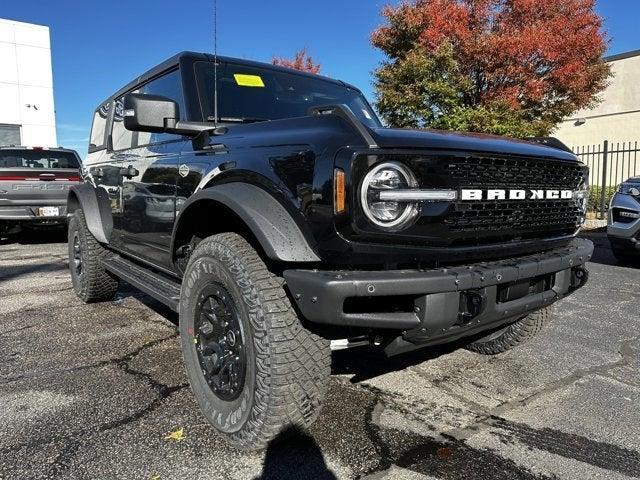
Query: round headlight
[[383, 213]]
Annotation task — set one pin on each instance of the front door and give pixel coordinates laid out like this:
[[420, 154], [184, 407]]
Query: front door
[[149, 169]]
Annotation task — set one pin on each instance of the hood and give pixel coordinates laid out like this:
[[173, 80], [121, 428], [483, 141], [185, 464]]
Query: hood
[[439, 139]]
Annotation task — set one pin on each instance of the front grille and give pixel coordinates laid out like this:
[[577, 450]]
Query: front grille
[[491, 172], [624, 215], [469, 223], [512, 220]]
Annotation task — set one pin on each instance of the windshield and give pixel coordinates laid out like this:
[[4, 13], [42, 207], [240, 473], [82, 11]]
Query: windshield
[[249, 94], [45, 159]]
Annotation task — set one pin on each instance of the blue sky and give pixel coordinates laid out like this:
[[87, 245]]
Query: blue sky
[[98, 46]]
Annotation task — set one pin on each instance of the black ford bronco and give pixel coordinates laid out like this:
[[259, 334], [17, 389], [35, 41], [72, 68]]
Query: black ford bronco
[[272, 210]]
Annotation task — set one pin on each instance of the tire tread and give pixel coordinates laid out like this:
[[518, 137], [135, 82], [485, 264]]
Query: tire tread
[[98, 285], [513, 335], [294, 364]]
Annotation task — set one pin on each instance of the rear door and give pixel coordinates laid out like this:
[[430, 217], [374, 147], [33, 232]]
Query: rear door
[[34, 182]]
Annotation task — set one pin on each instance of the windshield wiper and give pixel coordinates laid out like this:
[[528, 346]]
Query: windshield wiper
[[237, 119]]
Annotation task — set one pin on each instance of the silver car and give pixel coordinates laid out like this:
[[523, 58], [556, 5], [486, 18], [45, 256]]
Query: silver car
[[34, 183], [624, 221]]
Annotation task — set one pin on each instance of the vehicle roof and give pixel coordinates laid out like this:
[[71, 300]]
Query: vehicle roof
[[195, 56]]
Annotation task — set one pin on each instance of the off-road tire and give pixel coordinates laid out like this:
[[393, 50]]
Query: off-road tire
[[514, 334], [95, 284], [287, 366]]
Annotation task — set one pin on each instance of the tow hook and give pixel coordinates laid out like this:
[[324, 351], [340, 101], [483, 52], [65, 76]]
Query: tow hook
[[579, 277], [364, 340]]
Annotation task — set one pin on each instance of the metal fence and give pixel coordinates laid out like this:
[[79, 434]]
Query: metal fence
[[609, 165]]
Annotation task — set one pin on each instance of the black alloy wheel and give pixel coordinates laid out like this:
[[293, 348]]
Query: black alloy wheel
[[77, 256], [220, 342]]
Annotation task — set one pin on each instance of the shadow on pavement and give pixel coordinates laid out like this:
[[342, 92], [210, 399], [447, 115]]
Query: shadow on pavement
[[294, 454], [161, 309], [12, 273], [603, 254], [37, 236], [365, 363]]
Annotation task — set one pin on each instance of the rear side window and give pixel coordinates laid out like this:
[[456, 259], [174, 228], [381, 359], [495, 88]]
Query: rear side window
[[121, 138], [98, 128], [45, 159]]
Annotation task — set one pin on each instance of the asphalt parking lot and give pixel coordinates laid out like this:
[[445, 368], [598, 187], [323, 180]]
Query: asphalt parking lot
[[98, 391]]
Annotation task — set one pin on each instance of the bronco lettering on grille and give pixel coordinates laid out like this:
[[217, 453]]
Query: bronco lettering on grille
[[502, 194]]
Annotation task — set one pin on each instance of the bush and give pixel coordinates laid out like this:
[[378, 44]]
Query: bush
[[594, 197]]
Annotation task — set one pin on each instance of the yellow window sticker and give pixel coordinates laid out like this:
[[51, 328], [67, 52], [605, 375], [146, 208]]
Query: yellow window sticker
[[248, 80]]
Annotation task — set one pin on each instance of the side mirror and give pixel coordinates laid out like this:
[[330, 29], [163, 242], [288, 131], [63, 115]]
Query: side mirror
[[149, 113], [634, 192], [158, 114]]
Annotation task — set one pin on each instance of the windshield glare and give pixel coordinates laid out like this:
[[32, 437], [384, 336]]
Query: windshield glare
[[37, 159], [248, 94]]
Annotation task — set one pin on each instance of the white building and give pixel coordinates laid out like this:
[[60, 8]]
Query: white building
[[27, 115], [617, 117]]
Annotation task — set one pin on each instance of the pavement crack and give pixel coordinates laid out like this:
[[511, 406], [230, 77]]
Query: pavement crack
[[15, 330], [625, 351], [10, 293], [70, 447], [470, 404], [432, 456], [62, 462], [118, 361], [165, 392], [576, 447]]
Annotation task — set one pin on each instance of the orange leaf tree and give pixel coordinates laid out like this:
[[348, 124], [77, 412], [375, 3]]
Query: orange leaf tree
[[510, 67], [302, 61]]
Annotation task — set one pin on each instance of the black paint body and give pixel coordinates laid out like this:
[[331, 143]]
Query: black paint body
[[274, 182], [294, 159]]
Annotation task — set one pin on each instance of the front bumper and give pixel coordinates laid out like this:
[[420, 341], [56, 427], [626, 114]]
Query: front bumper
[[446, 303], [623, 228], [624, 233]]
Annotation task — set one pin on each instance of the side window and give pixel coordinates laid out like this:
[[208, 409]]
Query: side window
[[170, 86], [121, 137], [98, 127]]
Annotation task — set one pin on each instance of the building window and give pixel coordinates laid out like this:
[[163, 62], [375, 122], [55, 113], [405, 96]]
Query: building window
[[10, 135]]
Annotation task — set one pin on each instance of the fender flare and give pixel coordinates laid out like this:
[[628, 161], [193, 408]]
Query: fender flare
[[96, 206], [271, 224]]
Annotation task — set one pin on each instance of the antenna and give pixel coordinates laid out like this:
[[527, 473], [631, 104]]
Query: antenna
[[215, 62]]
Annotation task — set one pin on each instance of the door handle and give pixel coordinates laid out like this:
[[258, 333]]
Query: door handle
[[129, 172]]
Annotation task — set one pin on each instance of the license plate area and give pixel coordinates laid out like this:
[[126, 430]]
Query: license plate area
[[48, 211], [516, 290]]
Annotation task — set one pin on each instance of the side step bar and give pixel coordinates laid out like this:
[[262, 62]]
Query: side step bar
[[157, 285]]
